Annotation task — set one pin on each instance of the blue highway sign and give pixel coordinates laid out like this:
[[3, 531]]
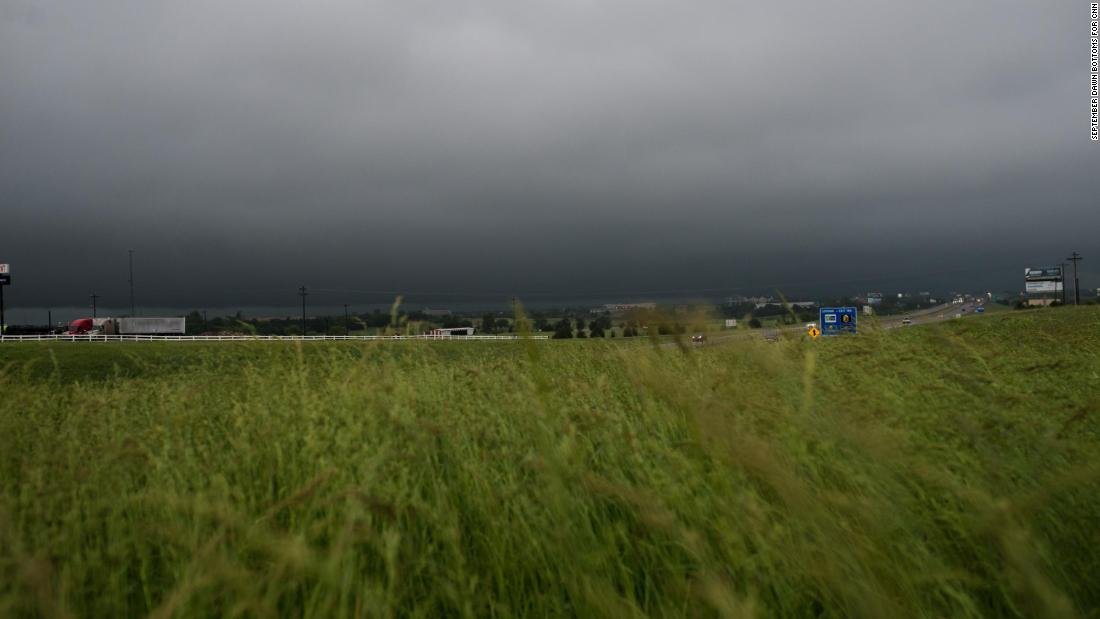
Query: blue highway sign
[[837, 320]]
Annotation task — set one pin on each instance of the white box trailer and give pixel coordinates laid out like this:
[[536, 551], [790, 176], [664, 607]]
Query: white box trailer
[[453, 331], [172, 325]]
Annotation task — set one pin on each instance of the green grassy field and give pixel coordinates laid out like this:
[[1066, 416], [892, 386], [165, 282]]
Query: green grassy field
[[948, 470]]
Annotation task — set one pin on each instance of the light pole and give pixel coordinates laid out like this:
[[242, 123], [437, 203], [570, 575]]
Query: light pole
[[94, 297], [302, 293], [1075, 258], [347, 328]]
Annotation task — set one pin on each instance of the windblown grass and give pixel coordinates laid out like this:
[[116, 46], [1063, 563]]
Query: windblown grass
[[946, 470]]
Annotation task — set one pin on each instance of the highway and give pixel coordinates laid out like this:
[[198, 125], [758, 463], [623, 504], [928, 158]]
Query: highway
[[938, 313]]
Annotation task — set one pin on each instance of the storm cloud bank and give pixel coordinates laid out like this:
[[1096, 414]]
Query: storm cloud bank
[[538, 147]]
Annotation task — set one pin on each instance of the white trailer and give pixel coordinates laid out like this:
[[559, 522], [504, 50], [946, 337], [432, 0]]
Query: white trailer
[[172, 325], [453, 331]]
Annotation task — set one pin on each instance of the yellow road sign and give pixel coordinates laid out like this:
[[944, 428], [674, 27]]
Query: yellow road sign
[[814, 332]]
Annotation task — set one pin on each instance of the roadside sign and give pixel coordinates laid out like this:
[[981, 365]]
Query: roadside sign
[[5, 279], [837, 320], [813, 332], [5, 268]]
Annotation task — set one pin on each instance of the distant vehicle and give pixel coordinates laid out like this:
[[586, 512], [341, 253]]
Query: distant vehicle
[[163, 325], [452, 331], [128, 326], [980, 309], [811, 325], [82, 326], [907, 321], [698, 338]]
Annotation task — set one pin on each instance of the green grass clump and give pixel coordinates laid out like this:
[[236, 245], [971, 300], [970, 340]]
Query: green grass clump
[[943, 470]]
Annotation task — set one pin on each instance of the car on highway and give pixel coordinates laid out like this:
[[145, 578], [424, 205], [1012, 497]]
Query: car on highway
[[698, 338], [906, 321], [810, 325]]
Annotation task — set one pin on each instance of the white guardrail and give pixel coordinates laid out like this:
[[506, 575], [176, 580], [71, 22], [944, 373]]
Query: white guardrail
[[53, 337]]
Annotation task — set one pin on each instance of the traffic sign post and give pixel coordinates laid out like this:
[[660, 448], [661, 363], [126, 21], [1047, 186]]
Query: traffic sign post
[[837, 320], [813, 332]]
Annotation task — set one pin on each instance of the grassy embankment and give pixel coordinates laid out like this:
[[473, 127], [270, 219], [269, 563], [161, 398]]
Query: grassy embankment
[[941, 470]]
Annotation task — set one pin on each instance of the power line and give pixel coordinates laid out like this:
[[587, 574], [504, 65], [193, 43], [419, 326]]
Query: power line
[[604, 292], [668, 291]]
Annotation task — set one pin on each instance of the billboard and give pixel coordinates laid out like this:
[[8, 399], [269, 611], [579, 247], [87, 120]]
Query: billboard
[[1043, 281], [1042, 286], [1035, 274]]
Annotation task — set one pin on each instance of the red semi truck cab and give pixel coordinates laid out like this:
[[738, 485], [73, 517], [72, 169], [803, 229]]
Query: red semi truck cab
[[80, 326]]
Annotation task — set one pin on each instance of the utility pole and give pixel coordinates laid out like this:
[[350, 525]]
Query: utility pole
[[302, 293], [131, 252], [49, 319], [347, 328], [94, 297], [1075, 258], [1063, 282]]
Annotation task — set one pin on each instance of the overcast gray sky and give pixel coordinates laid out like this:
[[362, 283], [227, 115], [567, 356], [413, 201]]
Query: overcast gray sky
[[244, 148]]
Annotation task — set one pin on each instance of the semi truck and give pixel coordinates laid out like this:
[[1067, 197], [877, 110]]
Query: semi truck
[[170, 325]]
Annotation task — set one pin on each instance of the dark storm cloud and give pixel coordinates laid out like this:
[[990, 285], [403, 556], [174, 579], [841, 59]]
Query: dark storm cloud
[[537, 146]]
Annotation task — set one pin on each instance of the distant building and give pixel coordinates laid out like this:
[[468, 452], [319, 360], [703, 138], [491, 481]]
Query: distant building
[[739, 300], [798, 304], [621, 308]]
